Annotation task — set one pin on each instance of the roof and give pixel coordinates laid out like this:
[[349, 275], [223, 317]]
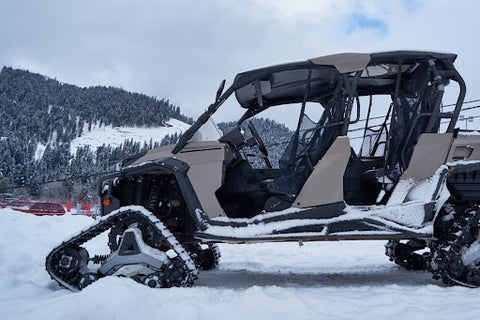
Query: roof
[[286, 83], [350, 62]]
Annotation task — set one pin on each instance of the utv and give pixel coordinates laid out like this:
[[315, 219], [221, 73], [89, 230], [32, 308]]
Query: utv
[[414, 179]]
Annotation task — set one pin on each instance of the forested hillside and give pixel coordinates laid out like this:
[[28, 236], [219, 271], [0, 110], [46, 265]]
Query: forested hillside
[[40, 116]]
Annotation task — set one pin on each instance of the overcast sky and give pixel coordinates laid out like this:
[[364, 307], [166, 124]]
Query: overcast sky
[[181, 50]]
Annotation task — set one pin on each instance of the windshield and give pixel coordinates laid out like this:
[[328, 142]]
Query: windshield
[[208, 132]]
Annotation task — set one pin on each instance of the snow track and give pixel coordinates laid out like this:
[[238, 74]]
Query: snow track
[[321, 280]]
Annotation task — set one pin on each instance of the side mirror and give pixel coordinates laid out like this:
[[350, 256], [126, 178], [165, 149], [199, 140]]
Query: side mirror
[[220, 90]]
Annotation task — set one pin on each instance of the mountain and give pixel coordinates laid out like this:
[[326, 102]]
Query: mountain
[[42, 119], [68, 136]]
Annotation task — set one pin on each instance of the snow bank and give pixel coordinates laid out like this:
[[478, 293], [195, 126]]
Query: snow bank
[[325, 280]]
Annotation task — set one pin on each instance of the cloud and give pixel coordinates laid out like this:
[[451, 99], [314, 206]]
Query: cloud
[[181, 50]]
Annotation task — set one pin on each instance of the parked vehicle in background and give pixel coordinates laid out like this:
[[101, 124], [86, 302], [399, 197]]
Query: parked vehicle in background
[[45, 208]]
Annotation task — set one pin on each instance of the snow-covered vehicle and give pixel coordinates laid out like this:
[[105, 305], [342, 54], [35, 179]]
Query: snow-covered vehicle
[[414, 180]]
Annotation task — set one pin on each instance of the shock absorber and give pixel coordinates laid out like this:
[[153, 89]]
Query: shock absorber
[[158, 200], [153, 201]]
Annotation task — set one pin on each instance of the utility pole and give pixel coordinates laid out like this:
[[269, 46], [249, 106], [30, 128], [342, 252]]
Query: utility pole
[[466, 119]]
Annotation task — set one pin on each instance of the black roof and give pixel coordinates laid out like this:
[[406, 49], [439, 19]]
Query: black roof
[[286, 83]]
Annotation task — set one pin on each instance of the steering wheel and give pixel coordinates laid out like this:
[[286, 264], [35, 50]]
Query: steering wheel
[[259, 141]]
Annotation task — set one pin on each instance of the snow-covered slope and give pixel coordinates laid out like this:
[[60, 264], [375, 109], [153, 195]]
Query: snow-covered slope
[[115, 136], [326, 280]]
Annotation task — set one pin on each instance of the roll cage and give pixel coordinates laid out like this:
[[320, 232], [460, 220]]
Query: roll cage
[[414, 80]]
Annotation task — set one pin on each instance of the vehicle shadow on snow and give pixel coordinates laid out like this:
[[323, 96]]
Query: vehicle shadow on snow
[[244, 279]]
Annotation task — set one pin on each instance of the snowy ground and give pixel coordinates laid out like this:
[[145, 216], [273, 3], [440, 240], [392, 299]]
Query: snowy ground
[[326, 280]]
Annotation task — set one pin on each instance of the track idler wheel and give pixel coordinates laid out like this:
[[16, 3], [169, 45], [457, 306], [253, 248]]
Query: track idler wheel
[[175, 273], [154, 280], [87, 279], [70, 260]]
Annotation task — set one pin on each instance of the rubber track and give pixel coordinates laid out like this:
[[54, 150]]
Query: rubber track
[[469, 218], [108, 222], [216, 252]]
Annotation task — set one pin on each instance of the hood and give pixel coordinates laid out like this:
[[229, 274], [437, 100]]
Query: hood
[[186, 154]]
